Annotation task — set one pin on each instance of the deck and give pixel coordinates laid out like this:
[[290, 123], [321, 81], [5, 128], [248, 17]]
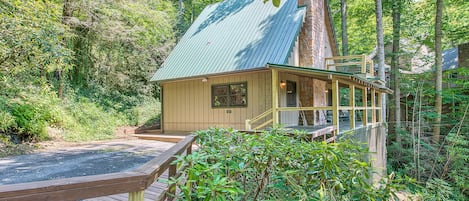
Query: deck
[[142, 183]]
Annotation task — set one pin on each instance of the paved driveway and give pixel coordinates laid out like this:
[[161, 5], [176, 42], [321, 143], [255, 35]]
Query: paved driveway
[[88, 159]]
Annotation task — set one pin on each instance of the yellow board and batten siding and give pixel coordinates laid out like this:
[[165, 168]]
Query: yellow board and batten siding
[[188, 106]]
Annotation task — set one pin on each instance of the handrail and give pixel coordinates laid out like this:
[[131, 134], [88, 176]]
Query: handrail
[[249, 122], [77, 188], [362, 61]]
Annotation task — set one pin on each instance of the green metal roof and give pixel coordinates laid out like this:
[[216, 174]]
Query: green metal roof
[[234, 35]]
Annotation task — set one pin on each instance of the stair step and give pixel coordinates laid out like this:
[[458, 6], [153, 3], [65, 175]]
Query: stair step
[[149, 131], [162, 137]]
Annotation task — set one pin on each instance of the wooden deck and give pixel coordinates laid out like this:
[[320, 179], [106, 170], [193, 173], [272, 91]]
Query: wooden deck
[[155, 191], [142, 183]]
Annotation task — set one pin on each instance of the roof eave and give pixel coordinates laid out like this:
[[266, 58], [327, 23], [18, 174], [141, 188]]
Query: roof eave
[[210, 75]]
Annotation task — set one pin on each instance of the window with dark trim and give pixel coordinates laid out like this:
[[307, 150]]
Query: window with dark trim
[[230, 95]]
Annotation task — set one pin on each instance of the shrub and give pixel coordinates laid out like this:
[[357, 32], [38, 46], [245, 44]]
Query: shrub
[[230, 165], [6, 121], [31, 121]]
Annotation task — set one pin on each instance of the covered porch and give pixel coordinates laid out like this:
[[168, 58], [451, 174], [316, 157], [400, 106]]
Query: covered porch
[[344, 97]]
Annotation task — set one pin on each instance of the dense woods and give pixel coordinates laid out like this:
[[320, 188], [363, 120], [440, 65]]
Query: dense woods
[[81, 67], [78, 69], [427, 114]]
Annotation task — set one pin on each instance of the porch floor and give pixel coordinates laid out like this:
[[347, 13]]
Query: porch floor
[[344, 125]]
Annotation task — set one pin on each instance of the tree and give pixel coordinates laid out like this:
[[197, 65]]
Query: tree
[[343, 9], [438, 71], [380, 50], [395, 63]]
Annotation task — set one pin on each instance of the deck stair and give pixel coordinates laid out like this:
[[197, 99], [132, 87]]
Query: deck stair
[[162, 137]]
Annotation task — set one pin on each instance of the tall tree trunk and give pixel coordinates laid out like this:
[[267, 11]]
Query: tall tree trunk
[[396, 35], [66, 14], [343, 9], [380, 39], [438, 71], [180, 6]]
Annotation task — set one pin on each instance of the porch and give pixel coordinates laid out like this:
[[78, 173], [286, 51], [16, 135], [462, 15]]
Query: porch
[[343, 97]]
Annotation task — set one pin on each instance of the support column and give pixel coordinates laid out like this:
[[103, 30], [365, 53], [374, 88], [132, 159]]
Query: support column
[[335, 103], [352, 105], [373, 106], [365, 104], [275, 83], [364, 64], [380, 104], [136, 196]]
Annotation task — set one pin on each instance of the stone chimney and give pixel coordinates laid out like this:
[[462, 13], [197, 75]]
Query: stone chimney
[[314, 46], [314, 39], [463, 55]]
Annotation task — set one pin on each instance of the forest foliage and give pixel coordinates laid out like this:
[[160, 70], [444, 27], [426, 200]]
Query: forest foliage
[[439, 169], [83, 72], [275, 165]]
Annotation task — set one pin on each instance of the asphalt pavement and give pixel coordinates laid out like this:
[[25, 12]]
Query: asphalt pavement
[[88, 159]]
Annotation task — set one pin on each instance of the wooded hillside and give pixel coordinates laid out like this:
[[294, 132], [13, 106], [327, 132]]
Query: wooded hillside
[[81, 67]]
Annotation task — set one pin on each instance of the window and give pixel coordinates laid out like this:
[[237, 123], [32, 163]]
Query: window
[[229, 95]]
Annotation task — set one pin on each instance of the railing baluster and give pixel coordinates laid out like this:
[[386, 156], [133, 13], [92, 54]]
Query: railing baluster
[[172, 188], [136, 196]]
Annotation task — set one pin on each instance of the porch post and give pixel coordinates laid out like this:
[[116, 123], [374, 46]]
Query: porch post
[[365, 104], [373, 106], [364, 64], [335, 104], [275, 83], [352, 106], [380, 104]]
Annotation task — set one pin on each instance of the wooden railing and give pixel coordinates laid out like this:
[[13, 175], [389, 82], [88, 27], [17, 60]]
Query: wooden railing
[[77, 188], [250, 122], [351, 64]]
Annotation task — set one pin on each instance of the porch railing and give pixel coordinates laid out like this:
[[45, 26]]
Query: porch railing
[[78, 188], [250, 122], [357, 64]]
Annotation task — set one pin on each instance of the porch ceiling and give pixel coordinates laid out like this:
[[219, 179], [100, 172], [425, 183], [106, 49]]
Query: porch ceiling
[[326, 75]]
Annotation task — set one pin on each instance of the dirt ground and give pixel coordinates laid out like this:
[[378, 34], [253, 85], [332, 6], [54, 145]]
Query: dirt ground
[[59, 159]]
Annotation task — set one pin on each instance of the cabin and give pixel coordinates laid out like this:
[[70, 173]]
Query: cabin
[[250, 65]]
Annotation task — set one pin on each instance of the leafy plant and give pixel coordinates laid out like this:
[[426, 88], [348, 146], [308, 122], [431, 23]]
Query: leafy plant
[[231, 165]]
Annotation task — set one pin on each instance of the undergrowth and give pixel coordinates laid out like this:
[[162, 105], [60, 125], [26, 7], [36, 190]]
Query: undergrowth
[[27, 117], [230, 165]]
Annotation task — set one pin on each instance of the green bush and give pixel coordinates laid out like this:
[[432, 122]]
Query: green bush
[[230, 165], [30, 121], [6, 121]]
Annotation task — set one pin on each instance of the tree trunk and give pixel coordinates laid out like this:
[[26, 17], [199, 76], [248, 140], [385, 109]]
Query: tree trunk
[[343, 9], [438, 71], [180, 6], [66, 14], [396, 35], [380, 39]]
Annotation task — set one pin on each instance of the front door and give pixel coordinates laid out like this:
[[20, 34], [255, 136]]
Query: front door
[[289, 98], [291, 94]]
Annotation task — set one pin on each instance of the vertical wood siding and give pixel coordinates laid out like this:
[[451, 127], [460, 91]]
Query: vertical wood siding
[[187, 104]]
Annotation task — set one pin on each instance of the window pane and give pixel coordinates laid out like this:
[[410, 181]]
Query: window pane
[[238, 100], [238, 94], [220, 90], [220, 101], [229, 95]]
